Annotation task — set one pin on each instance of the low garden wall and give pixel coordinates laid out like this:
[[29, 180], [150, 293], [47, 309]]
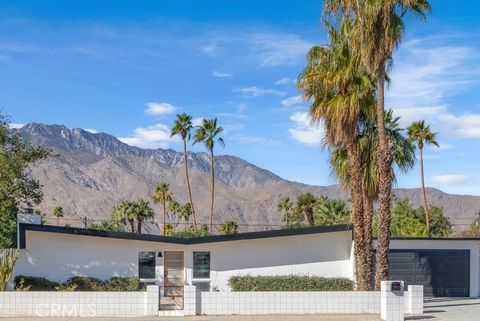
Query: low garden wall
[[309, 302], [79, 304]]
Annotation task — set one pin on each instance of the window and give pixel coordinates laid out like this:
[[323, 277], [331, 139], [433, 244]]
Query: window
[[146, 265], [201, 265]]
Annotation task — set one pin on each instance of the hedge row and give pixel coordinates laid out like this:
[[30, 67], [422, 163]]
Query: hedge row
[[289, 283], [77, 283]]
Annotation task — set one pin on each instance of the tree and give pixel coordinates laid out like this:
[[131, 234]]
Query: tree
[[18, 190], [184, 213], [174, 209], [124, 213], [331, 212], [209, 134], [229, 228], [163, 195], [420, 133], [8, 258], [142, 212], [183, 127], [341, 92], [408, 221], [305, 206], [285, 205], [58, 213], [378, 30], [170, 230]]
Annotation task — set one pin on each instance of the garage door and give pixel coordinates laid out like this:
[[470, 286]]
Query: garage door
[[444, 273]]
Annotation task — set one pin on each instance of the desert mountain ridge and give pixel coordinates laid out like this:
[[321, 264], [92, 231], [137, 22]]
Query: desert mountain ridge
[[89, 173]]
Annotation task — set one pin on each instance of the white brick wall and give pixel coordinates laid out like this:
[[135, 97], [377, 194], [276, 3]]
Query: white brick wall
[[118, 304], [225, 303]]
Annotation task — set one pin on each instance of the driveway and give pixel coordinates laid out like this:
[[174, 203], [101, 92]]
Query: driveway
[[450, 309]]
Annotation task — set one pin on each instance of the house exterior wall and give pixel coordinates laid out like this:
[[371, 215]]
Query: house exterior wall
[[453, 244], [58, 257]]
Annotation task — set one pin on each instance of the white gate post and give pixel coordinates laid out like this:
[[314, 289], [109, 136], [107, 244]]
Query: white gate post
[[392, 301]]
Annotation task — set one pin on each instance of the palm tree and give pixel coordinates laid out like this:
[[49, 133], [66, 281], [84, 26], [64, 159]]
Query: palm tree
[[143, 212], [174, 208], [184, 213], [183, 126], [420, 133], [285, 205], [124, 213], [331, 212], [163, 195], [58, 213], [170, 230], [341, 91], [209, 133], [306, 205], [229, 228], [379, 28], [368, 145]]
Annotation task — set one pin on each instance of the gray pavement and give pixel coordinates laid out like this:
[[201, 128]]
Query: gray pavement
[[451, 309]]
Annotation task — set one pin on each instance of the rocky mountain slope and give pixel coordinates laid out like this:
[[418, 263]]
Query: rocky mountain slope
[[90, 173]]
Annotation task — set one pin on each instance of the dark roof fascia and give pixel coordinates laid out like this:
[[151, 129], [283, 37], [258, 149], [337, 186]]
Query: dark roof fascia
[[175, 240], [405, 238]]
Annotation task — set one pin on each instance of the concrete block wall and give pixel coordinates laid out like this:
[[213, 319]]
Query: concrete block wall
[[79, 304], [414, 299]]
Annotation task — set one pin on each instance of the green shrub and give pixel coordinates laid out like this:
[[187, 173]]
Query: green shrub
[[32, 283], [86, 283], [125, 284], [78, 283], [289, 283]]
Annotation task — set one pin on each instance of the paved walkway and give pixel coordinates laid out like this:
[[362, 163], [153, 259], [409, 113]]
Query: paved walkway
[[450, 309]]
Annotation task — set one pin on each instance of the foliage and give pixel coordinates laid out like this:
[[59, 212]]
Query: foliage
[[29, 283], [8, 258], [325, 211], [193, 232], [185, 212], [472, 231], [18, 190], [408, 221], [289, 283], [229, 228], [129, 212], [163, 195], [332, 212], [107, 225]]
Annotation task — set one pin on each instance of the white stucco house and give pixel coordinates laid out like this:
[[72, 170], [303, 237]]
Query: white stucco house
[[445, 267]]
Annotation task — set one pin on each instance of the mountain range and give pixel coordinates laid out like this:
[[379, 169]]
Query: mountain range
[[89, 173]]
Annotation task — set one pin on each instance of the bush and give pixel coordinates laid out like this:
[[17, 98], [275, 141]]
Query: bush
[[86, 284], [32, 283], [78, 283], [289, 283]]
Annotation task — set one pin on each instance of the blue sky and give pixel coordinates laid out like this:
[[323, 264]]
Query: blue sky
[[127, 67]]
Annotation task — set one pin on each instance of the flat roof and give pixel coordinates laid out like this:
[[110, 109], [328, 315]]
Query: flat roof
[[23, 228]]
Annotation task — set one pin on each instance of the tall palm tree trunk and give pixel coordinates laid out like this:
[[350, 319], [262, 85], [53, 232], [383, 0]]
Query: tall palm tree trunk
[[132, 226], [188, 182], [164, 218], [357, 216], [139, 226], [384, 186], [212, 168], [425, 203], [368, 237]]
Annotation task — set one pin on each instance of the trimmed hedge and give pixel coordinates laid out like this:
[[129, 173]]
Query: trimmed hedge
[[289, 283], [115, 284]]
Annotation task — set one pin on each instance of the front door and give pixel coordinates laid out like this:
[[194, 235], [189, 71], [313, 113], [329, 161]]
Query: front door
[[173, 274]]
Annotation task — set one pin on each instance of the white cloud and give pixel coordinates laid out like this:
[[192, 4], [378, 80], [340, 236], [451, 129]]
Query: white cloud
[[409, 115], [220, 74], [91, 130], [156, 136], [304, 132], [466, 126], [450, 179], [210, 49], [243, 139], [242, 108], [286, 81], [232, 115], [158, 109], [259, 92], [15, 125], [293, 101], [275, 49], [197, 121], [232, 127]]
